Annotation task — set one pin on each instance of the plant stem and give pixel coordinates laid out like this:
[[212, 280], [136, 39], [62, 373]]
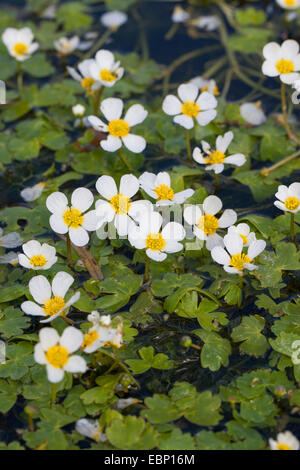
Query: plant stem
[[53, 394], [267, 171], [146, 275], [188, 144], [172, 31], [217, 181], [289, 131], [19, 77], [292, 227], [69, 251], [124, 159], [97, 99], [102, 40]]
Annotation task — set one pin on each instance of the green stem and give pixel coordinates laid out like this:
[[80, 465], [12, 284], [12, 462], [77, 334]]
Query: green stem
[[288, 130], [53, 394], [124, 159], [97, 99], [172, 31], [102, 40], [146, 275], [292, 227], [267, 171], [20, 77], [188, 144], [69, 251], [217, 181]]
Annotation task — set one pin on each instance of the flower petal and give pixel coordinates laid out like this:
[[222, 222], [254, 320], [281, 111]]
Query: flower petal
[[187, 92], [212, 205], [129, 185], [184, 121], [48, 338], [54, 374], [134, 143], [135, 115], [219, 255], [111, 143], [82, 199], [112, 108], [256, 248], [31, 308], [173, 231], [40, 289], [229, 217], [192, 214], [76, 364], [107, 187], [79, 236], [233, 243], [156, 255], [171, 105], [61, 283], [57, 202], [71, 339]]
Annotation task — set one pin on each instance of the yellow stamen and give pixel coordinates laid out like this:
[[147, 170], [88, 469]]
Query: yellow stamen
[[208, 224], [238, 261], [164, 191], [190, 108], [73, 218], [283, 447], [89, 338], [57, 356], [292, 203], [118, 128], [54, 305], [155, 241], [290, 3], [285, 66], [107, 76], [87, 83], [38, 260], [245, 241], [120, 204], [20, 48], [215, 157]]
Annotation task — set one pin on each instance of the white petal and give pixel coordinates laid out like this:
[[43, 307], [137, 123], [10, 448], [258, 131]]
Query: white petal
[[105, 59], [122, 224], [48, 338], [289, 78], [11, 240], [104, 211], [57, 202], [57, 223], [180, 197], [223, 142], [39, 354], [207, 101], [138, 209], [24, 261], [156, 255], [91, 221], [111, 143], [112, 108], [281, 206], [294, 190], [233, 243], [173, 231], [198, 156], [71, 339], [229, 217], [134, 143], [76, 364], [129, 185], [212, 205], [31, 248], [269, 69], [282, 193], [82, 199], [205, 117], [172, 246], [32, 309], [187, 92], [237, 159], [289, 49], [256, 248], [171, 105], [192, 214], [97, 124], [213, 241], [107, 187], [199, 233], [61, 283], [231, 270], [47, 251], [272, 51], [54, 374], [40, 289], [79, 236], [184, 121], [135, 115], [219, 255]]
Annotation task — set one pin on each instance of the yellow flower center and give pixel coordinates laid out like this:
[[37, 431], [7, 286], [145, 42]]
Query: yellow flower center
[[89, 338], [215, 91], [290, 3], [190, 108], [38, 260], [285, 66], [244, 239], [107, 76], [54, 305], [155, 241], [283, 447], [215, 157], [292, 203], [238, 261], [20, 48], [208, 224], [118, 128], [96, 436], [164, 191], [57, 356], [73, 218], [120, 204], [87, 83]]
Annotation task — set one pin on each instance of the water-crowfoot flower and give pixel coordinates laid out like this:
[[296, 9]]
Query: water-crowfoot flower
[[157, 243], [101, 333], [179, 15], [104, 69], [253, 113], [216, 158], [113, 19], [84, 76], [119, 207], [10, 258], [37, 256], [288, 198], [73, 220], [123, 403], [50, 298], [190, 106], [119, 129], [159, 188], [234, 261], [208, 22], [91, 429], [32, 193], [20, 43], [65, 46], [284, 441], [10, 240], [56, 352], [244, 231], [204, 84], [78, 110], [289, 4], [205, 223], [282, 61]]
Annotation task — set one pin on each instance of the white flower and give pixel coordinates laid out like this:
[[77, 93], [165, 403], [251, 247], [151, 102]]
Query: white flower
[[90, 429], [50, 298], [10, 240], [113, 19], [289, 198], [118, 207], [105, 70], [243, 230], [78, 110], [204, 84], [73, 220], [37, 256], [284, 441], [10, 258], [102, 335], [123, 403], [32, 193], [282, 61], [216, 158], [56, 352], [296, 85], [179, 15], [19, 43], [159, 188], [209, 22], [84, 77], [191, 106], [119, 129], [253, 113], [205, 223], [157, 242], [236, 261], [289, 4], [66, 46]]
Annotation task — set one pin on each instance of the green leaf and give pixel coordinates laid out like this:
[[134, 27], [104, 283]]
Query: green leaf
[[131, 433], [148, 360], [215, 351], [249, 331], [13, 322]]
